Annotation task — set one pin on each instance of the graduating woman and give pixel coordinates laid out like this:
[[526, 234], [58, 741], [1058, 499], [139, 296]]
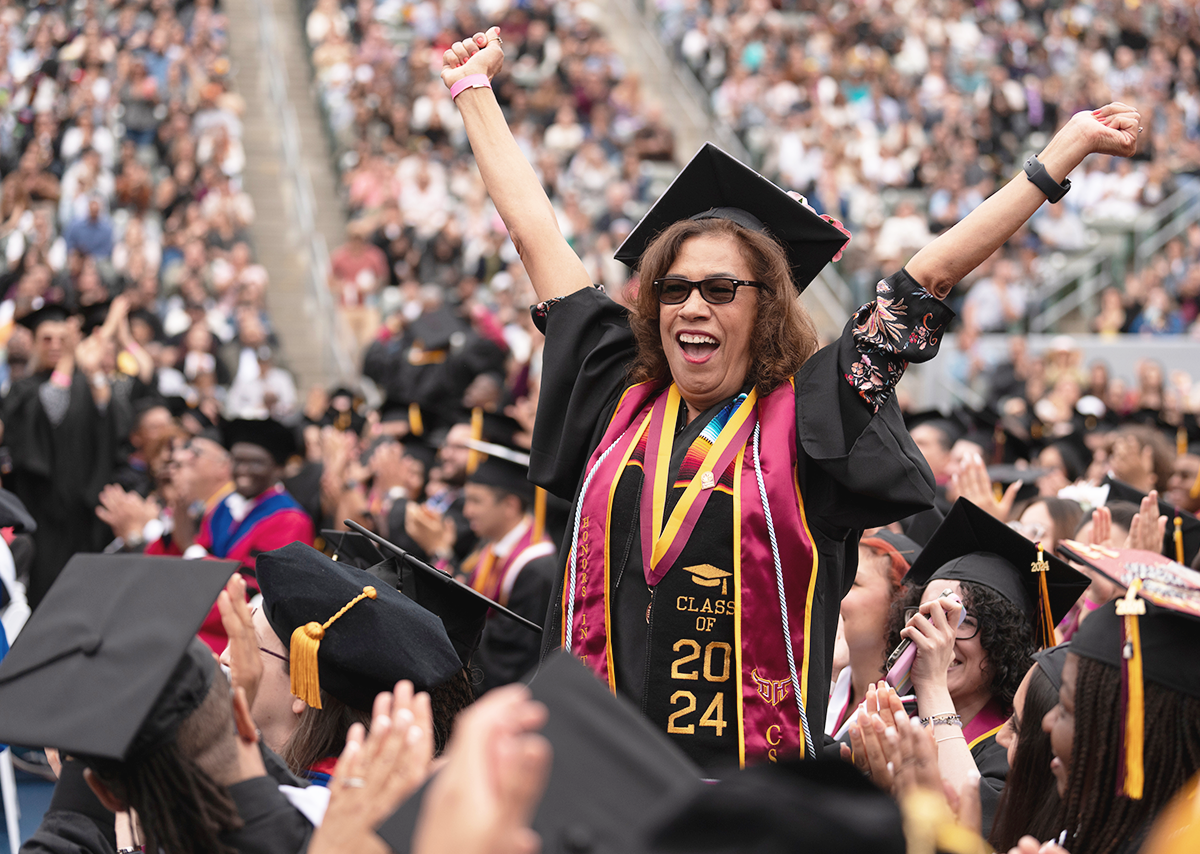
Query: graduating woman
[[720, 465]]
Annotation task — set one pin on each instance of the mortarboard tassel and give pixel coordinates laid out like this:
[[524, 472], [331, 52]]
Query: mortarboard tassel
[[474, 457], [1181, 441], [306, 642], [1178, 537], [416, 425], [539, 514], [1194, 492], [1133, 703], [1046, 618]]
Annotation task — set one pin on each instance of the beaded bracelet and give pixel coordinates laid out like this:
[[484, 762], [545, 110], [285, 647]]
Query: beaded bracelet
[[947, 719]]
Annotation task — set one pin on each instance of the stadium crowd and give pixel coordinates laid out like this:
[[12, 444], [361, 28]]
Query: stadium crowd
[[900, 117], [145, 415]]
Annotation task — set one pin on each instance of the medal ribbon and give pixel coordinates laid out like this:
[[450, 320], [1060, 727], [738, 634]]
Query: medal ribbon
[[662, 545]]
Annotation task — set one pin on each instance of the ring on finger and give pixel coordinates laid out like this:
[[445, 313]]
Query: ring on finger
[[354, 782]]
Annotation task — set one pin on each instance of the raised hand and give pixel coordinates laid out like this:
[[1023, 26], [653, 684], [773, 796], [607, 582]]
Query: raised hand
[[972, 483], [241, 655], [1148, 527], [483, 53], [1112, 129]]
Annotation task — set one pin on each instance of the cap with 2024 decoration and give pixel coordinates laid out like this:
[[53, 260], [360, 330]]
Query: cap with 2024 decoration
[[346, 632], [1151, 633], [971, 545], [715, 185], [108, 665]]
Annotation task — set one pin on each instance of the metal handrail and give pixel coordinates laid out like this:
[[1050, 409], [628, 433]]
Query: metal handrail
[[1171, 217]]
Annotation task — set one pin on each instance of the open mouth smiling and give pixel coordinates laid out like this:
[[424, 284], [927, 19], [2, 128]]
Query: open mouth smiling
[[697, 347]]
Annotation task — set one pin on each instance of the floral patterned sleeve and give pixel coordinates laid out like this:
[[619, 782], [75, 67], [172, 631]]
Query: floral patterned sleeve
[[903, 324]]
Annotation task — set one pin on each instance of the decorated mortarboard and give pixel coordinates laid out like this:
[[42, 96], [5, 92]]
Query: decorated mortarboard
[[1051, 661], [810, 805], [971, 545], [1151, 633], [715, 185], [278, 440], [48, 313], [108, 665], [611, 768], [347, 633], [1182, 536]]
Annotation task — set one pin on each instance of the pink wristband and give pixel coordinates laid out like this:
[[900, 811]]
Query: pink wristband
[[471, 81], [60, 379]]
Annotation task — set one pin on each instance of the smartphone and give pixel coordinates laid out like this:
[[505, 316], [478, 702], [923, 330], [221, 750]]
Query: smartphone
[[899, 663]]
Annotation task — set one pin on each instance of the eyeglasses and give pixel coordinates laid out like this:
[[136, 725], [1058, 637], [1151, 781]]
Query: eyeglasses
[[718, 291], [966, 630], [273, 654]]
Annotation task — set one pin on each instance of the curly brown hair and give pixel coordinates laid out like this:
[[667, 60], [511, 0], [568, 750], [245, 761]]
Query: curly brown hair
[[783, 337]]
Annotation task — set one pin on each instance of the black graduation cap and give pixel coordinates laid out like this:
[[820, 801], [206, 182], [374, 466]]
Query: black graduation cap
[[611, 768], [108, 665], [348, 633], [462, 609], [810, 805], [1007, 474], [279, 441], [503, 468], [1147, 636], [420, 449], [971, 545], [94, 315], [1187, 524], [13, 514], [51, 312], [1051, 660], [890, 541], [715, 185]]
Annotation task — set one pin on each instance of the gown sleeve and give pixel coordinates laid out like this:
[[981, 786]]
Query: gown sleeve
[[76, 821], [992, 760], [585, 364], [858, 466]]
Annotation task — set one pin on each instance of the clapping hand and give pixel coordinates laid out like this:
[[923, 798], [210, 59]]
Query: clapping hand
[[1147, 529], [972, 483]]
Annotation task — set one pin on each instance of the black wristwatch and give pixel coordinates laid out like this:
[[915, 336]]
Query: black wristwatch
[[1041, 179]]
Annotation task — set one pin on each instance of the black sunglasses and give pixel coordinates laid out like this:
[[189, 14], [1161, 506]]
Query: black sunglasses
[[718, 291]]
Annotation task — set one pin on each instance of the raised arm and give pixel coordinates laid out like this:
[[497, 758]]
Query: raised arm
[[942, 264], [553, 267]]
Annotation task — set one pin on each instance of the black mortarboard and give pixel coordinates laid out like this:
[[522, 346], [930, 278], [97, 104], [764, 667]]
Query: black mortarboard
[[420, 449], [13, 514], [462, 610], [363, 636], [812, 805], [611, 768], [51, 312], [904, 546], [1188, 525], [279, 441], [715, 185], [94, 316], [1051, 660], [971, 545], [1006, 474], [108, 665], [503, 468]]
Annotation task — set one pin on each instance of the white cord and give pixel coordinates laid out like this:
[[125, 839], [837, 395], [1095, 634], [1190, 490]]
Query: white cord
[[575, 542], [787, 636]]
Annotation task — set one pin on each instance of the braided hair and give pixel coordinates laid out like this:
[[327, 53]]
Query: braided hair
[[1100, 820], [181, 807]]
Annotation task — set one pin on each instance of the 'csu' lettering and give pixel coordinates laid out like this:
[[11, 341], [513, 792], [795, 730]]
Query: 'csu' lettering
[[720, 607]]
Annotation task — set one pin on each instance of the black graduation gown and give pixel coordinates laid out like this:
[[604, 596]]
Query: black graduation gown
[[509, 650], [76, 821], [58, 473], [272, 825], [992, 760], [856, 469]]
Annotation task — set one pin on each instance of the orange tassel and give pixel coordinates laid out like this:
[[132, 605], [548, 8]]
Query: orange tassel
[[1135, 703], [1178, 538], [1181, 441], [305, 644], [539, 514], [474, 457], [416, 425], [1046, 619]]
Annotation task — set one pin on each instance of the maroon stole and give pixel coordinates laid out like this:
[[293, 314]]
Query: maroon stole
[[768, 718], [490, 573]]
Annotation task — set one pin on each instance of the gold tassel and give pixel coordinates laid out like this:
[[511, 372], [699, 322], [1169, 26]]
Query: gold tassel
[[1178, 537], [1042, 566], [306, 643], [1181, 441], [416, 426], [539, 514], [1135, 703], [474, 457], [1194, 492]]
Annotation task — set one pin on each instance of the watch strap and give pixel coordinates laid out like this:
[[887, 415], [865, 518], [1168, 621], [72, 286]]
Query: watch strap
[[1036, 172]]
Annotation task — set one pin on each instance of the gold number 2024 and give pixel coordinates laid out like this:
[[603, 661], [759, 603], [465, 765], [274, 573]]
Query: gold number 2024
[[714, 715], [694, 646]]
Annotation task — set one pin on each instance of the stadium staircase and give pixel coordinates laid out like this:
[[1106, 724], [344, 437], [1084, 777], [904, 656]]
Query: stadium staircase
[[298, 214]]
